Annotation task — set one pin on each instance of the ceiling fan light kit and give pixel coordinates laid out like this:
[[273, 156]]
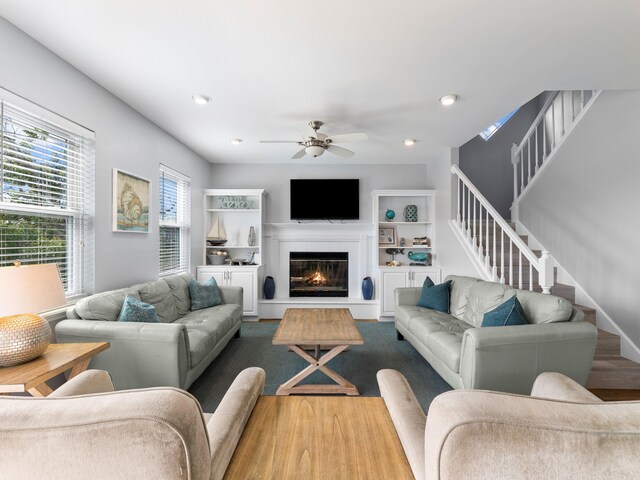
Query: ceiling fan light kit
[[315, 143], [200, 98]]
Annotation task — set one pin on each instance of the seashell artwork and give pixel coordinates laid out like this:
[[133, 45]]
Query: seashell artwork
[[130, 203]]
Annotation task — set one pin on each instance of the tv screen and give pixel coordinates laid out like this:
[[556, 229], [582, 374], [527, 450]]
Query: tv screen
[[325, 199]]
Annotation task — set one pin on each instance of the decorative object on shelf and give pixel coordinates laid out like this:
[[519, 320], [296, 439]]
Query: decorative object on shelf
[[251, 241], [217, 257], [426, 241], [130, 203], [394, 252], [390, 215], [403, 241], [387, 236], [217, 235], [367, 288], [411, 213], [269, 287], [234, 203], [237, 261], [420, 257], [26, 290]]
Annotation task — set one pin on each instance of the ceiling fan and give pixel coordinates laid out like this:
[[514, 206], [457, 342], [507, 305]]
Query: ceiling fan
[[315, 143]]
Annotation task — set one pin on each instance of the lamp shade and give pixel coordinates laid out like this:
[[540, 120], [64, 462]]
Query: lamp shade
[[30, 289], [27, 290]]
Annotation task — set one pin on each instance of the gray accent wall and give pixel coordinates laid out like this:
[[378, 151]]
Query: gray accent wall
[[488, 163], [275, 180], [124, 139], [583, 208]]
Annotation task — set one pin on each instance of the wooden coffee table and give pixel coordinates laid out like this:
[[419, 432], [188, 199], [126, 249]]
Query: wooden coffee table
[[58, 357], [333, 328], [319, 438]]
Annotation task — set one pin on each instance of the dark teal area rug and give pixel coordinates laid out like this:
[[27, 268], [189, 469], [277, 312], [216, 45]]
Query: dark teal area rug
[[359, 364]]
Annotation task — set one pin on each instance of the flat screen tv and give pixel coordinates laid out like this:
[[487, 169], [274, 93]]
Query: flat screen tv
[[325, 199]]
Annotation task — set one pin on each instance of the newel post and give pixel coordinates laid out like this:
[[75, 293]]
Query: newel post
[[514, 162], [545, 270]]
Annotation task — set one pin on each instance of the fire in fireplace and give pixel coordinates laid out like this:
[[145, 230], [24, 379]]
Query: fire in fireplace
[[318, 274]]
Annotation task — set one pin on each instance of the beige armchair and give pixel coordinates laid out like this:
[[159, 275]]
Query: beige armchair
[[85, 430], [561, 431]]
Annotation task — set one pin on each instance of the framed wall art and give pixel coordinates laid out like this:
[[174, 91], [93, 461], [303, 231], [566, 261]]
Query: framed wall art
[[131, 195], [387, 236]]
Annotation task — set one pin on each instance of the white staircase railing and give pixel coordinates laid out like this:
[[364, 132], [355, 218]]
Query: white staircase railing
[[560, 113], [478, 225]]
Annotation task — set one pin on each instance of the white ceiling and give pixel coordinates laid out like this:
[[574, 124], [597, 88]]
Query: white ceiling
[[376, 66]]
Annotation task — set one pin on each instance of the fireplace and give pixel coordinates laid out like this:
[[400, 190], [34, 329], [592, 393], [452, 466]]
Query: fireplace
[[318, 274]]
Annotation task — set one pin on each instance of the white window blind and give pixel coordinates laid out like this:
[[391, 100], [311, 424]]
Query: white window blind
[[175, 221], [46, 192]]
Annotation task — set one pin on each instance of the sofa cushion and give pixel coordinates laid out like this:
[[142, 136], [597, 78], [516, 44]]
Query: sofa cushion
[[105, 306], [460, 287], [430, 321], [541, 308], [484, 296], [159, 295], [220, 318], [135, 310], [204, 295], [179, 286], [200, 344], [509, 312], [435, 297], [446, 346]]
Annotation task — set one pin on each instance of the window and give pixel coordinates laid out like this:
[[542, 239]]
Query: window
[[46, 192], [490, 130], [175, 221]]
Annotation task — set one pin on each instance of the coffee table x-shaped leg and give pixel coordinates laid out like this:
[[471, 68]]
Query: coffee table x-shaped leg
[[318, 362]]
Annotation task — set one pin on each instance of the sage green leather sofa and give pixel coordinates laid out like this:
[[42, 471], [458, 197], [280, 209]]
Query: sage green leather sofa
[[506, 359], [173, 352]]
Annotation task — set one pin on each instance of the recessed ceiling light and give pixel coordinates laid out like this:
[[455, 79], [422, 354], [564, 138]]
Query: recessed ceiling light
[[409, 142], [449, 99], [201, 99], [236, 141]]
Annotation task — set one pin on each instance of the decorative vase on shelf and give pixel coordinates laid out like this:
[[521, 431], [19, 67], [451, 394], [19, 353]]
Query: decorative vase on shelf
[[251, 241], [411, 213], [367, 288], [390, 215], [269, 288]]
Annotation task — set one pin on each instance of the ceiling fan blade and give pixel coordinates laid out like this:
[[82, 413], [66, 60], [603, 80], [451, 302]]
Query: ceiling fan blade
[[341, 152], [278, 141], [348, 137], [300, 154], [306, 130]]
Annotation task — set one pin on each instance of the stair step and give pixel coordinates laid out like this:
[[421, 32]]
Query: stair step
[[614, 371], [589, 313], [608, 344]]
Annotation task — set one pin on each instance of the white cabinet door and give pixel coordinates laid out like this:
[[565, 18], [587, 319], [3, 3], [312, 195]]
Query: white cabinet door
[[205, 274], [390, 281], [248, 281], [418, 276]]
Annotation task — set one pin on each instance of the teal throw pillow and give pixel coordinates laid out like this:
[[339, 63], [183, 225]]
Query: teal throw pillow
[[134, 310], [204, 296], [507, 313], [435, 297]]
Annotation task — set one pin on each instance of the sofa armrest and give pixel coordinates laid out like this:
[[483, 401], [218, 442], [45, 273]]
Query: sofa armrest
[[510, 358], [231, 295], [85, 383], [140, 354], [407, 295], [555, 386], [227, 423], [407, 416]]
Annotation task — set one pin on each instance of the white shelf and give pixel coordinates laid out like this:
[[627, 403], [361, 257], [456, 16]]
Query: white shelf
[[226, 247], [233, 209], [384, 247], [403, 223]]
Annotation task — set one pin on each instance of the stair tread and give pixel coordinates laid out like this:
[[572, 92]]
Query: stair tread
[[583, 308], [613, 362]]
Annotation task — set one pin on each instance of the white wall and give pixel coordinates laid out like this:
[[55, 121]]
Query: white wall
[[583, 208], [124, 140], [275, 180]]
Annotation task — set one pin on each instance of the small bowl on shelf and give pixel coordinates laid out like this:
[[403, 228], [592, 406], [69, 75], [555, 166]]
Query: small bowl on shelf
[[217, 258]]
